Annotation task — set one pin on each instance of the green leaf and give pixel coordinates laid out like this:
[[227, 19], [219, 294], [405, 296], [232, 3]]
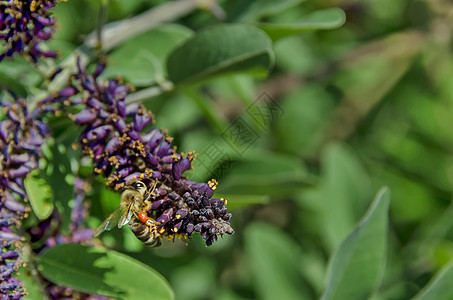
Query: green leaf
[[221, 49], [357, 266], [274, 259], [40, 195], [150, 53], [104, 272], [344, 192], [31, 285], [241, 201], [306, 111], [265, 175], [325, 19], [254, 10], [439, 287]]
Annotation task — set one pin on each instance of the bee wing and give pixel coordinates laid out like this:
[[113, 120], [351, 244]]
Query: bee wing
[[111, 221], [126, 216]]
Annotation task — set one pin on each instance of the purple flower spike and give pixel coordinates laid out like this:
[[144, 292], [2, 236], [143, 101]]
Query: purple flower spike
[[24, 25], [22, 135], [117, 138]]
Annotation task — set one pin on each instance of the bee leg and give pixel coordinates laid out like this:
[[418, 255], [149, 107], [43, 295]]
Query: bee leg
[[153, 188]]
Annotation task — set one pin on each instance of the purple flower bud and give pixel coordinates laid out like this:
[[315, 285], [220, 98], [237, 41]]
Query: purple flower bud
[[4, 129], [84, 117], [189, 228], [153, 138], [99, 70], [19, 172], [181, 213], [121, 107], [9, 236], [99, 132], [197, 227], [158, 204], [132, 176], [164, 149], [141, 120], [165, 217], [132, 109], [150, 159], [180, 167], [45, 21], [121, 125], [125, 171], [94, 103], [111, 145], [67, 91], [12, 204]]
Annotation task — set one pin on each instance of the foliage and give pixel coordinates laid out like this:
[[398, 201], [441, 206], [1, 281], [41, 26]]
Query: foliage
[[302, 111]]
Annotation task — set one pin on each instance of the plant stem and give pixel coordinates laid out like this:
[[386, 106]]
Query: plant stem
[[117, 32]]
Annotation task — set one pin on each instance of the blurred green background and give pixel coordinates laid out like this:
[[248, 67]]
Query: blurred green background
[[356, 108]]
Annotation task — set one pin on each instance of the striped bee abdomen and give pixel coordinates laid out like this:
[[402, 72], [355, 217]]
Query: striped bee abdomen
[[146, 233]]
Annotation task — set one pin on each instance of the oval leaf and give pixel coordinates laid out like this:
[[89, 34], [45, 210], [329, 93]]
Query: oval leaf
[[221, 49], [360, 258], [330, 18], [265, 175], [249, 11], [274, 259], [104, 272], [150, 53], [439, 288], [40, 195]]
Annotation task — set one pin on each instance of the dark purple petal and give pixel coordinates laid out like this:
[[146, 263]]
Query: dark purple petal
[[67, 91], [99, 70], [94, 103], [85, 116], [164, 149], [141, 120], [182, 213], [12, 204], [180, 167], [4, 128], [166, 216], [132, 109], [121, 125], [121, 107], [111, 145], [19, 172], [99, 132], [9, 236]]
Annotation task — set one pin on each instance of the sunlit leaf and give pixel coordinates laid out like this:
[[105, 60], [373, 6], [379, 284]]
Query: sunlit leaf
[[357, 266], [330, 18], [30, 284], [221, 49], [150, 51], [274, 259], [439, 288], [105, 272], [265, 175], [344, 192], [256, 9], [40, 195]]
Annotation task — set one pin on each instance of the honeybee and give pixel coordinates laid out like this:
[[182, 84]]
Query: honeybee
[[130, 213]]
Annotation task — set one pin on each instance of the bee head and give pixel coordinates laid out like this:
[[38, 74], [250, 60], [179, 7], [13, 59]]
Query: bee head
[[136, 185]]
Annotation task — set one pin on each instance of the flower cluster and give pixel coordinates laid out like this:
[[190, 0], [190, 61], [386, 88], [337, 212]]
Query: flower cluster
[[21, 137], [123, 147], [24, 24], [47, 233]]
